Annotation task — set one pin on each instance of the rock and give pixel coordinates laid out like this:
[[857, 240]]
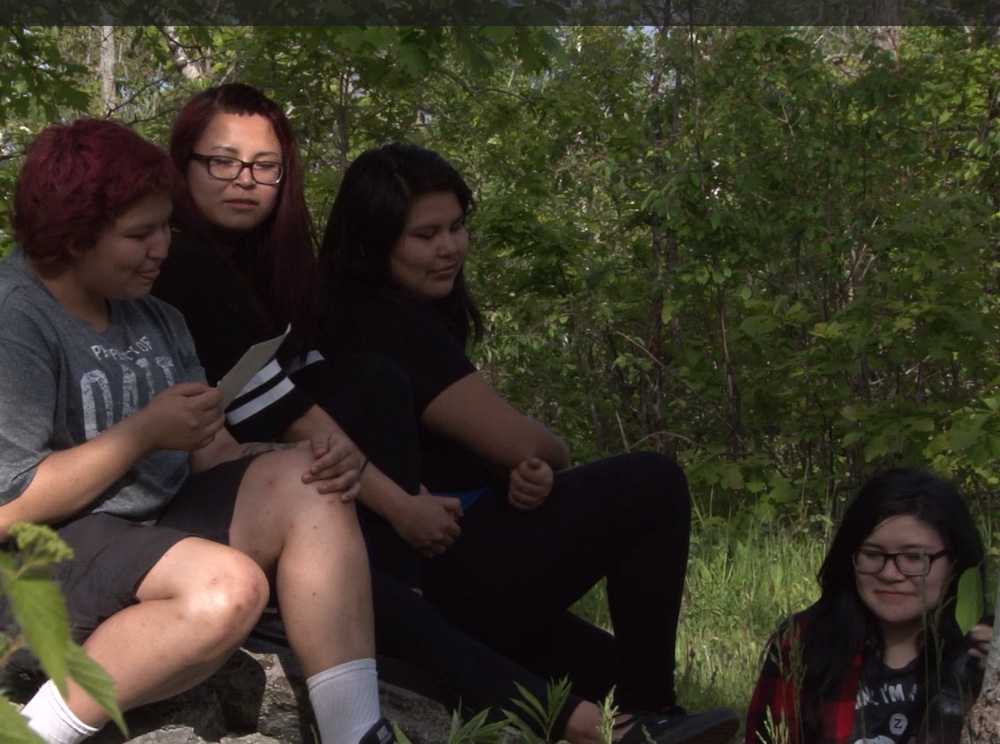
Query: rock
[[257, 697]]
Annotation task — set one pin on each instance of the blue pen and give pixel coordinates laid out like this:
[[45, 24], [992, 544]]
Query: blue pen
[[467, 498]]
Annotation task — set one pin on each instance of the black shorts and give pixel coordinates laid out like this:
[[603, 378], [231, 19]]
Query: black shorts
[[112, 555]]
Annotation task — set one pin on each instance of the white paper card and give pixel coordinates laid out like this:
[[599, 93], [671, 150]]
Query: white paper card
[[249, 364]]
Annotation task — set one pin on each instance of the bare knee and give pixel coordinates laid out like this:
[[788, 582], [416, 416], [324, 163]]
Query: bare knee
[[225, 600], [275, 480], [278, 474], [276, 510]]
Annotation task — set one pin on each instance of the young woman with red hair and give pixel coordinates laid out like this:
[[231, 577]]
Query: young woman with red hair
[[242, 269], [109, 432]]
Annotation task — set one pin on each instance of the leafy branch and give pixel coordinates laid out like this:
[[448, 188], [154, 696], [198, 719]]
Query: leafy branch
[[39, 610]]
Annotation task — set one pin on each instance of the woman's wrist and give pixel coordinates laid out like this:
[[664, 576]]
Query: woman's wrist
[[380, 494]]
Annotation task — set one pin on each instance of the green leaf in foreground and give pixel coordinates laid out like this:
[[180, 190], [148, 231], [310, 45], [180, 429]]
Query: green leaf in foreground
[[15, 728], [38, 606], [969, 599], [39, 544], [95, 681], [476, 730], [40, 611], [542, 713]]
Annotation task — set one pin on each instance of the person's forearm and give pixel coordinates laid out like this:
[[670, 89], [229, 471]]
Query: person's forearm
[[380, 493], [471, 413], [68, 480], [541, 442]]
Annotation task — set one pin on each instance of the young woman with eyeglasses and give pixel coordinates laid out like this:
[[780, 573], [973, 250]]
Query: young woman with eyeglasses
[[881, 645], [242, 268]]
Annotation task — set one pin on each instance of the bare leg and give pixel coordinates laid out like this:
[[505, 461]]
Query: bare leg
[[583, 726], [311, 546], [201, 599], [198, 603]]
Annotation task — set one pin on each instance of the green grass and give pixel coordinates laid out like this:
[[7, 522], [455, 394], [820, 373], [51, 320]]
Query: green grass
[[738, 587]]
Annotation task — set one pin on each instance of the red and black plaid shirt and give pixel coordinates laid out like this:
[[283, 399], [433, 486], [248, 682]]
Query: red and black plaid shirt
[[774, 714]]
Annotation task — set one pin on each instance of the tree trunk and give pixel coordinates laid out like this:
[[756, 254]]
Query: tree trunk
[[106, 70], [182, 61], [983, 723], [982, 726]]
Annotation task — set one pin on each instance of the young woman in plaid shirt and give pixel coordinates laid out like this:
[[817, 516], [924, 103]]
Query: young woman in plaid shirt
[[881, 649]]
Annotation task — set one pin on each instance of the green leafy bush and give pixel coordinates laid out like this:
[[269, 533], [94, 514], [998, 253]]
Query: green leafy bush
[[37, 605]]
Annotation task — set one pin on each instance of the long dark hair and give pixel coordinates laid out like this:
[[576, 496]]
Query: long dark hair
[[368, 218], [284, 265], [839, 622]]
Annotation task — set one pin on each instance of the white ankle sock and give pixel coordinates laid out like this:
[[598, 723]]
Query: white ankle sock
[[345, 701], [49, 717]]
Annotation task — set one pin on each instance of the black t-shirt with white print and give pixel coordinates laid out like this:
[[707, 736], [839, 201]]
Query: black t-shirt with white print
[[889, 707]]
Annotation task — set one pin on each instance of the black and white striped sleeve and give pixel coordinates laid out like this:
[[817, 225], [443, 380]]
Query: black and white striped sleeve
[[266, 406]]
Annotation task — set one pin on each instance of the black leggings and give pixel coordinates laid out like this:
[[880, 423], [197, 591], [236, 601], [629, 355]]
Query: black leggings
[[467, 674], [512, 575]]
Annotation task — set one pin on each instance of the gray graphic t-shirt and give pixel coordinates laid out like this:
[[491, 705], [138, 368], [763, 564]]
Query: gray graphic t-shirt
[[62, 383]]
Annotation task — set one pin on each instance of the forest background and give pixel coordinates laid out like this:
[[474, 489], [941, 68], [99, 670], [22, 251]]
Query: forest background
[[768, 251]]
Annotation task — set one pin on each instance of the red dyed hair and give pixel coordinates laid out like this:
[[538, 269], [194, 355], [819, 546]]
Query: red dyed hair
[[286, 254], [77, 180]]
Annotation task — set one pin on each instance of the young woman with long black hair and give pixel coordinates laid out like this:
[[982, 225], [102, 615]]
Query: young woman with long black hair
[[876, 654], [542, 532]]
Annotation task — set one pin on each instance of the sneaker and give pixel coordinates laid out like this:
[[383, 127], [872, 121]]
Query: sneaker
[[714, 726], [380, 733]]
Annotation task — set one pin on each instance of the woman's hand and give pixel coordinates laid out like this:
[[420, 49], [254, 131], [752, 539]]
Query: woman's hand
[[428, 524], [530, 484], [186, 416], [980, 637], [336, 464]]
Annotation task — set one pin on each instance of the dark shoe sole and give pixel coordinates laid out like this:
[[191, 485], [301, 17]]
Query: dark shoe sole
[[715, 726]]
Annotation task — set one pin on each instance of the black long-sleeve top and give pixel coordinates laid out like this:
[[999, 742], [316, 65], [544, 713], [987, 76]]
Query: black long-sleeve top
[[222, 312]]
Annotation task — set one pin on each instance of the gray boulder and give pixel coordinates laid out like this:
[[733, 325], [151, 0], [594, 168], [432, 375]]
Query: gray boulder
[[257, 697]]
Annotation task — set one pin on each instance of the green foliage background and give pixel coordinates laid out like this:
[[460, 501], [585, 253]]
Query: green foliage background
[[768, 251]]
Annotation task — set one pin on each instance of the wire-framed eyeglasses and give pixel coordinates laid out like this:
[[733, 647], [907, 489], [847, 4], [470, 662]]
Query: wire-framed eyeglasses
[[910, 563], [264, 172]]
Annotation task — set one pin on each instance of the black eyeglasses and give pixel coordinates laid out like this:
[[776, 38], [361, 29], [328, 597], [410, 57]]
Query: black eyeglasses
[[909, 563], [264, 172]]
